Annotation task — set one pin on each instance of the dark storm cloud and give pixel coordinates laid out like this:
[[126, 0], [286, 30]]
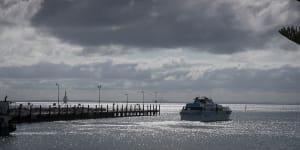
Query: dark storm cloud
[[156, 24]]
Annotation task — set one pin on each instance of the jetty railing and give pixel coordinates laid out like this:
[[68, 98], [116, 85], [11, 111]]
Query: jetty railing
[[39, 113]]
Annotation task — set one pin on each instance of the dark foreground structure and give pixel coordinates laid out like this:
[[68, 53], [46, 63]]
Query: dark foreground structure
[[6, 125]]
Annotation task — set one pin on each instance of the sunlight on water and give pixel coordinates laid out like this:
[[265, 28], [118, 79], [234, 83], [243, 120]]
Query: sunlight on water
[[259, 127]]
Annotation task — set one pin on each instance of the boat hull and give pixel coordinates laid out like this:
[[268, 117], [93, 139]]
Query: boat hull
[[205, 116]]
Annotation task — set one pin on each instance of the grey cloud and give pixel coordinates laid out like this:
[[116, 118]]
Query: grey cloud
[[109, 50], [279, 79], [39, 81], [44, 71], [106, 70], [123, 72], [17, 12], [284, 79], [200, 25]]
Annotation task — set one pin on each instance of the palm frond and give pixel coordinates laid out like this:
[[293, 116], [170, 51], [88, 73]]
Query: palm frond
[[292, 33]]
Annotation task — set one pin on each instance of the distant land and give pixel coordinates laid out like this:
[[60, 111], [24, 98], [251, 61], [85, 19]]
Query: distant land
[[164, 101]]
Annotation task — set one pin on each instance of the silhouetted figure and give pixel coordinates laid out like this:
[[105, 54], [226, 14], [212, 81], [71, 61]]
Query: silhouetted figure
[[5, 99]]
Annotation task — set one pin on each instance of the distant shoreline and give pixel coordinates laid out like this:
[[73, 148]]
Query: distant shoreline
[[110, 101]]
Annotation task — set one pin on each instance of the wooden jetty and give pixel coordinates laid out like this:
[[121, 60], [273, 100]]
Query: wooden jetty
[[31, 113]]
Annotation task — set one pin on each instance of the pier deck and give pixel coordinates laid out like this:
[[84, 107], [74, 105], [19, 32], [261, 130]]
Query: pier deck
[[67, 112]]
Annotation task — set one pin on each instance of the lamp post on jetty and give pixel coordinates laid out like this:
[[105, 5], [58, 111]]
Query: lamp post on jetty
[[57, 93], [99, 87]]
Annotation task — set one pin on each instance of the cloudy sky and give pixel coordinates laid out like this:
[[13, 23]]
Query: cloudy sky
[[229, 50]]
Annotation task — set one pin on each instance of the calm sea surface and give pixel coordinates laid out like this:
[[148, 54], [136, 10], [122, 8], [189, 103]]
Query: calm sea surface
[[260, 127]]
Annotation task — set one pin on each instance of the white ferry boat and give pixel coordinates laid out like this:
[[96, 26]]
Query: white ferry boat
[[204, 109]]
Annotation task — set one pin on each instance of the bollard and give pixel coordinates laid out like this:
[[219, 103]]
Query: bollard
[[82, 109], [117, 114], [40, 111], [30, 113], [122, 111], [147, 111], [143, 110], [49, 117], [101, 110], [58, 110], [130, 111], [153, 110], [95, 111], [107, 110], [19, 114], [159, 109], [113, 107], [67, 109], [150, 112], [140, 110], [135, 110], [126, 110], [74, 110]]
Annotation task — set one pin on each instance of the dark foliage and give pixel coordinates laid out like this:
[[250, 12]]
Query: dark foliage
[[292, 33]]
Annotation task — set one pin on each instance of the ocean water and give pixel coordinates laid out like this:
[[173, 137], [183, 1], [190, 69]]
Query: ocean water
[[261, 127]]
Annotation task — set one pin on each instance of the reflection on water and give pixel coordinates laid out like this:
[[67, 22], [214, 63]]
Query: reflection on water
[[260, 127]]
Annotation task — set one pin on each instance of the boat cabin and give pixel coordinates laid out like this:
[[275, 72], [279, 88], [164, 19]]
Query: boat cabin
[[200, 103], [203, 100]]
